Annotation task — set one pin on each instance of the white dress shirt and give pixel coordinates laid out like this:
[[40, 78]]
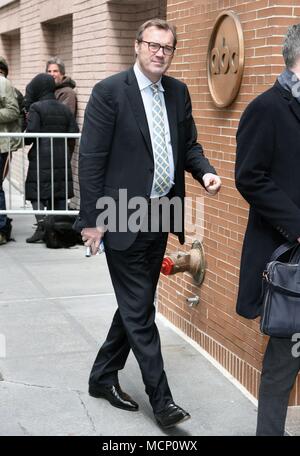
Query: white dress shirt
[[144, 85]]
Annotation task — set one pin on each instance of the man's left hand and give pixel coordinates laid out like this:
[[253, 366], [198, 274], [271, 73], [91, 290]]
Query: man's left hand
[[212, 183]]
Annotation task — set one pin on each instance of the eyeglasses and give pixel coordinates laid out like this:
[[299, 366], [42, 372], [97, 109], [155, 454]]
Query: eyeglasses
[[155, 47]]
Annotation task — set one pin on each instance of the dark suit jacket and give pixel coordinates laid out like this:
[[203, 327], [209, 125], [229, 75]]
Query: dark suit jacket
[[116, 152], [267, 175]]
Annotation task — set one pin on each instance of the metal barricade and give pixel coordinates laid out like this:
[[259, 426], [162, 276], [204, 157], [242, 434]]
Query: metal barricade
[[23, 149]]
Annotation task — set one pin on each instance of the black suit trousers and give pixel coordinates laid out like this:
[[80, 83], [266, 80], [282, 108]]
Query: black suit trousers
[[280, 369], [135, 273]]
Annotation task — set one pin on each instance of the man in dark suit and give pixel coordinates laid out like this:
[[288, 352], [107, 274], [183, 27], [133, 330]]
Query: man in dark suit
[[267, 175], [138, 135]]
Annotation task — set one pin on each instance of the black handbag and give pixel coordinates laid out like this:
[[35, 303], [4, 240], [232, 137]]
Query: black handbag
[[281, 292], [59, 232]]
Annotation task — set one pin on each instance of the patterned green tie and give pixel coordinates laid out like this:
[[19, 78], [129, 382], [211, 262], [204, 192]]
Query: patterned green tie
[[161, 159]]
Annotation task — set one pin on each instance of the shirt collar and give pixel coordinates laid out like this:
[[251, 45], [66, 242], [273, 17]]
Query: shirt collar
[[143, 81]]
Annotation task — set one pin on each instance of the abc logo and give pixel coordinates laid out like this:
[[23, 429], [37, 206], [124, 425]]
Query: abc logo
[[224, 60]]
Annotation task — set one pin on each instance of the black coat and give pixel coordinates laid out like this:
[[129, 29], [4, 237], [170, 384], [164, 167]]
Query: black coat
[[116, 152], [49, 116], [267, 176]]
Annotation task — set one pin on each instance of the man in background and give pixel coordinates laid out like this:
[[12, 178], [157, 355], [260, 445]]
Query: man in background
[[65, 86], [64, 91], [267, 176]]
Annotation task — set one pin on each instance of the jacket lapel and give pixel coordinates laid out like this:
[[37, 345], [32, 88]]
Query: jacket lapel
[[170, 100], [295, 107], [293, 103], [136, 101]]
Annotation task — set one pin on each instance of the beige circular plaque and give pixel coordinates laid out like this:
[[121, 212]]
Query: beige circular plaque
[[225, 59]]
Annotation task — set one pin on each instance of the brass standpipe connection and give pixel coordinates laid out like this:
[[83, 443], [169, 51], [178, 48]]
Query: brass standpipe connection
[[192, 262]]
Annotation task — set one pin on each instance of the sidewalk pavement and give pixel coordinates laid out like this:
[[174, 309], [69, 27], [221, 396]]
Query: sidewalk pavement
[[56, 307]]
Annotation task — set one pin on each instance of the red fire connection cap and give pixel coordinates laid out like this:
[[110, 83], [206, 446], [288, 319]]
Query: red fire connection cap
[[167, 266]]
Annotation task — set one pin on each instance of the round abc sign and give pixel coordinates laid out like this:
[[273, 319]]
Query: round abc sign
[[225, 59]]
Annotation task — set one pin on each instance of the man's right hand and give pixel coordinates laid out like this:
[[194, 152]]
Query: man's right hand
[[92, 238]]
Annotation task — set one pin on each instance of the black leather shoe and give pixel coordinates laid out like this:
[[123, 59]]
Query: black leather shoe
[[115, 396], [171, 415]]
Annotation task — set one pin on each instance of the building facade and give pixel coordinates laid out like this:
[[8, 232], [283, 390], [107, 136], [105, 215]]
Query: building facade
[[95, 39]]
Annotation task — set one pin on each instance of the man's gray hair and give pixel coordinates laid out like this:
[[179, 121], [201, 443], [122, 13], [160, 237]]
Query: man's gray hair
[[56, 61], [291, 46]]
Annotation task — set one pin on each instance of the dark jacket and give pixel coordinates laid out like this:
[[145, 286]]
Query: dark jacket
[[267, 176], [48, 116], [116, 152]]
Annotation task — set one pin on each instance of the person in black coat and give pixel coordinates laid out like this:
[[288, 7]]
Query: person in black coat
[[267, 176], [47, 115], [138, 138]]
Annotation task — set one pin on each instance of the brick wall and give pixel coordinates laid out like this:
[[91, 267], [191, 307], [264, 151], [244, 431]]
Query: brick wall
[[58, 41], [233, 341], [11, 42]]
